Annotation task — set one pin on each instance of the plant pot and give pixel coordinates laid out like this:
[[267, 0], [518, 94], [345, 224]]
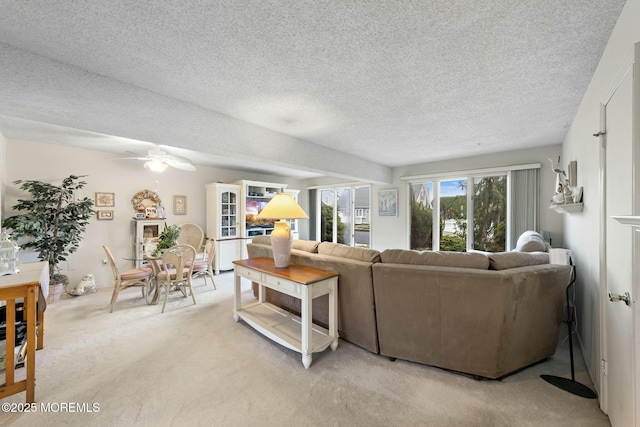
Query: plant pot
[[55, 290]]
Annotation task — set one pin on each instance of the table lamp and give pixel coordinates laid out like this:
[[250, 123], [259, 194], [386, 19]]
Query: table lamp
[[282, 207]]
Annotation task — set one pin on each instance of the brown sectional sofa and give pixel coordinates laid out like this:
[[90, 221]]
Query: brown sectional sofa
[[487, 315]]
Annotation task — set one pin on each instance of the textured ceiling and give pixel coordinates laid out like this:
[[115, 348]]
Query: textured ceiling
[[300, 84]]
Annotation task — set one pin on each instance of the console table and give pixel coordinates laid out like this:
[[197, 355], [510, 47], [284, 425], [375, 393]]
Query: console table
[[297, 333], [16, 286]]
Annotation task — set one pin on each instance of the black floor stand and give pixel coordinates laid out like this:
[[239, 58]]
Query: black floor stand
[[570, 385]]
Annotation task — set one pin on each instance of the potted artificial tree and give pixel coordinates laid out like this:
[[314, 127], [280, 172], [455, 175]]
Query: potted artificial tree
[[53, 221]]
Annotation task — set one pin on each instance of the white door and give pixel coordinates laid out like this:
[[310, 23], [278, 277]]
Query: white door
[[619, 378]]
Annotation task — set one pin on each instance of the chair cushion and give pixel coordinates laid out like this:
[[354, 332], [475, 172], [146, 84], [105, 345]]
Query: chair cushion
[[201, 265], [136, 273]]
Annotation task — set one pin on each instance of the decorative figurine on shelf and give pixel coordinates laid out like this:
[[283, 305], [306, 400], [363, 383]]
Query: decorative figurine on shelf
[[568, 192], [577, 195], [8, 255], [561, 189]]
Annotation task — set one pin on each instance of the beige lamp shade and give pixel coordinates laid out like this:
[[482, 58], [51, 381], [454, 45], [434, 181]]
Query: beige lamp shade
[[282, 206]]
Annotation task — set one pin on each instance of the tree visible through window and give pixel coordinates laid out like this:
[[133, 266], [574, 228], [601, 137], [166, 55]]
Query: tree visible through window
[[421, 216], [453, 215], [490, 213], [327, 219], [487, 220]]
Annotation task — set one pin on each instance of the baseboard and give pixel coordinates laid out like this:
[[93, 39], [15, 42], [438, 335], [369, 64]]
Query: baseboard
[[594, 371]]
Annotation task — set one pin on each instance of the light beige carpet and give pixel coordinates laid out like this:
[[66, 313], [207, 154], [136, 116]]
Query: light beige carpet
[[194, 365]]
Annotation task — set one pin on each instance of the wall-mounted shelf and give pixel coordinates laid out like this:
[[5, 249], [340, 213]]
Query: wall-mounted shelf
[[567, 207]]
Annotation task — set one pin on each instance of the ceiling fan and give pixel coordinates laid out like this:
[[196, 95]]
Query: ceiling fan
[[158, 160]]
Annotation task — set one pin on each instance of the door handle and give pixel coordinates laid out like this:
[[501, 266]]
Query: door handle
[[617, 297]]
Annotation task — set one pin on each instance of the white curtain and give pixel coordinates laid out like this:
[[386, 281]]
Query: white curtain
[[524, 203]]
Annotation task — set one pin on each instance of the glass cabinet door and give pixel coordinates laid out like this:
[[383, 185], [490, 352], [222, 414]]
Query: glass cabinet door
[[228, 219]]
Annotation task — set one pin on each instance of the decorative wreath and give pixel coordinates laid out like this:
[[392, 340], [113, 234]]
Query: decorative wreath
[[141, 199]]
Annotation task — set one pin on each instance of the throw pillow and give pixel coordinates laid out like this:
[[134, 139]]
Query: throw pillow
[[531, 241]]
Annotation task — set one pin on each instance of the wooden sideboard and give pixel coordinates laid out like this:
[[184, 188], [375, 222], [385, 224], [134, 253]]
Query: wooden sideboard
[[23, 285]]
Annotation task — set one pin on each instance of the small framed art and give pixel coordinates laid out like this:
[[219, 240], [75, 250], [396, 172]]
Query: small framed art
[[388, 202], [179, 205], [108, 215], [105, 200]]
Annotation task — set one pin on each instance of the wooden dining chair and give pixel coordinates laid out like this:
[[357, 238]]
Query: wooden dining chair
[[176, 270], [137, 277], [203, 267]]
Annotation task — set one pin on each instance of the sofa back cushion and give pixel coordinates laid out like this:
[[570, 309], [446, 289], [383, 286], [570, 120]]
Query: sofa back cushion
[[306, 246], [506, 260], [301, 245], [440, 259], [344, 251], [262, 240]]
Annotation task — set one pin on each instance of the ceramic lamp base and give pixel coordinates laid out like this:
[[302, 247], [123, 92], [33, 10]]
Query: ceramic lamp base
[[281, 242]]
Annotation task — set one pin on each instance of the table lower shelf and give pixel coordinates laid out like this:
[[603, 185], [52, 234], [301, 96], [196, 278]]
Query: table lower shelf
[[283, 327]]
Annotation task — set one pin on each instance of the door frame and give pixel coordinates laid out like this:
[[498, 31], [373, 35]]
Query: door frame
[[635, 285]]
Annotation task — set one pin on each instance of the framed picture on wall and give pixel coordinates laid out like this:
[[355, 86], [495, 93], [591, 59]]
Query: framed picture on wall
[[108, 215], [388, 202], [105, 200], [179, 205]]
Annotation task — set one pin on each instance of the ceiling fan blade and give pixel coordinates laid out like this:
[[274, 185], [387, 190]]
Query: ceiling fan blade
[[182, 165], [133, 158], [158, 155], [179, 163]]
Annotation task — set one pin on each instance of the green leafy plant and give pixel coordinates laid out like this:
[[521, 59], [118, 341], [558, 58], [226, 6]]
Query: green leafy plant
[[167, 239], [53, 220]]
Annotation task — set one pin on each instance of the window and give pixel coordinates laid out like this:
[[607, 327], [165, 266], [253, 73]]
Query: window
[[421, 215], [490, 213], [326, 216], [453, 215], [345, 215], [474, 210]]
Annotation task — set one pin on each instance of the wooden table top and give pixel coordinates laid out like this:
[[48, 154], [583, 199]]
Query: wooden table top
[[30, 273], [296, 273]]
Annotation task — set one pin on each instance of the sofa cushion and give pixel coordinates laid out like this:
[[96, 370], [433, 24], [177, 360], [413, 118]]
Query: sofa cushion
[[506, 260], [301, 245], [441, 259], [306, 246], [531, 241], [344, 251], [262, 240]]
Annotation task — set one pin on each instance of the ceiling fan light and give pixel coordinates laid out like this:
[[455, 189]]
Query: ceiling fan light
[[155, 165]]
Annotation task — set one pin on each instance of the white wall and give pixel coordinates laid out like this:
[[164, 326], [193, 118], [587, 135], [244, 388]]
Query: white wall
[[3, 144], [581, 230], [24, 160], [392, 232]]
